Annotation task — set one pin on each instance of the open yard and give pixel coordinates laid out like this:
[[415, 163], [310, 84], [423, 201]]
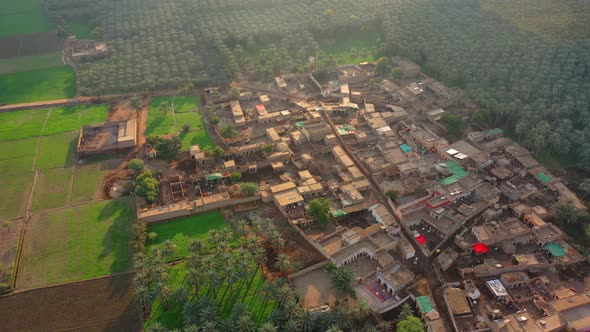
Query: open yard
[[57, 151], [14, 194], [52, 189], [23, 16], [181, 230], [79, 29], [22, 124], [105, 304], [9, 233], [37, 85], [77, 243], [17, 156]]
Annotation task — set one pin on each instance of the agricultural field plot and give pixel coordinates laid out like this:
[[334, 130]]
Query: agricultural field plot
[[9, 233], [14, 194], [160, 117], [186, 112], [29, 62], [57, 151], [105, 304], [79, 29], [88, 182], [22, 124], [248, 290], [23, 16], [17, 156], [182, 230], [53, 189], [77, 243], [37, 85], [71, 118], [354, 48]]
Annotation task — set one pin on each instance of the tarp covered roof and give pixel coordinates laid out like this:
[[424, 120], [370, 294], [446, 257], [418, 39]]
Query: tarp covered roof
[[480, 248], [405, 148], [337, 213], [214, 176], [555, 249], [457, 171], [543, 177], [424, 303], [421, 239]]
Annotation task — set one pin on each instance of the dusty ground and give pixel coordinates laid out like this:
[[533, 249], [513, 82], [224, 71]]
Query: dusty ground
[[104, 304], [315, 288], [8, 239]]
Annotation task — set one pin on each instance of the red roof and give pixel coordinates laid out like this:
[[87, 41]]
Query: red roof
[[421, 239], [260, 107], [480, 248]]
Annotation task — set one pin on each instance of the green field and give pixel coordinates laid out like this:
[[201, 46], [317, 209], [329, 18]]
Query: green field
[[79, 29], [29, 62], [77, 243], [71, 118], [160, 123], [17, 156], [14, 194], [181, 230], [22, 124], [52, 189], [37, 85], [360, 41], [57, 151], [23, 16], [186, 111], [259, 304], [87, 183]]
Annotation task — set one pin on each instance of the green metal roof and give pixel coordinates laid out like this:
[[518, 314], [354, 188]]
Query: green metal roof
[[214, 176], [457, 171], [337, 213], [424, 304], [492, 132], [299, 124], [543, 177], [555, 249], [405, 148]]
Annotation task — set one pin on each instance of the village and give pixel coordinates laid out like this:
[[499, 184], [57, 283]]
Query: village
[[459, 228]]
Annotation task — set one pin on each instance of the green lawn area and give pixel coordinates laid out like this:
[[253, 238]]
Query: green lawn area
[[254, 298], [552, 160], [159, 123], [17, 156], [77, 243], [87, 183], [57, 151], [359, 40], [14, 194], [79, 29], [71, 118], [37, 85], [22, 124], [29, 62], [23, 16], [52, 189], [184, 112], [181, 230]]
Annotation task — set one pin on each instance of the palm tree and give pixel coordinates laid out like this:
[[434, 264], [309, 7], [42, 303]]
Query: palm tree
[[259, 256], [246, 324], [334, 328], [193, 259], [194, 276], [191, 328], [361, 309], [406, 311], [180, 295], [283, 262], [243, 227], [276, 240], [585, 186], [209, 326], [384, 326], [144, 298], [157, 327], [268, 327], [194, 246]]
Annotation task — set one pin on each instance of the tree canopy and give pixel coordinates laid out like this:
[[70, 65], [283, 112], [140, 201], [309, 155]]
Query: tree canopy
[[410, 324], [147, 186], [319, 210], [453, 123]]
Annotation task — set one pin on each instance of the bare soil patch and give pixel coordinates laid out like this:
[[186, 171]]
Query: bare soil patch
[[105, 304]]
